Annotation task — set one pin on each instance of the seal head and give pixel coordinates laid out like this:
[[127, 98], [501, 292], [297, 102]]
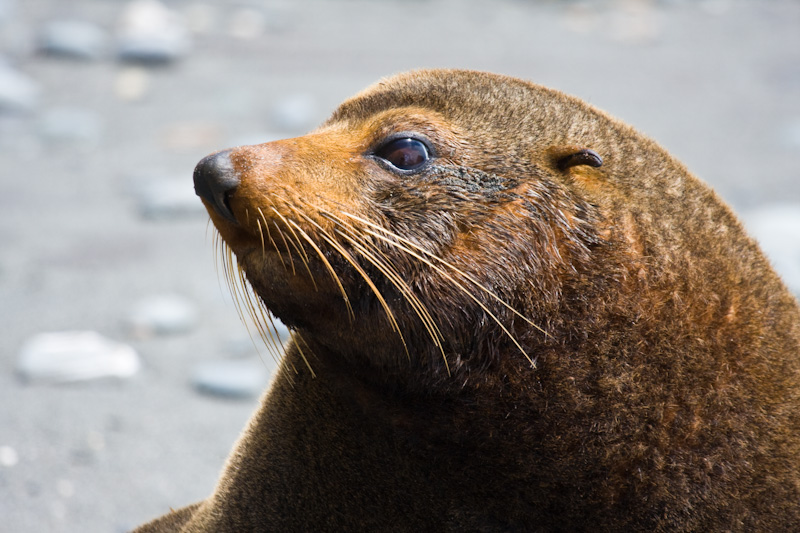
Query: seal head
[[511, 312]]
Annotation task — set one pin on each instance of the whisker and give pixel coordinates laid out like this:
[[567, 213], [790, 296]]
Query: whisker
[[261, 319], [349, 258], [286, 246], [394, 278], [296, 241], [261, 234], [242, 295], [328, 266], [451, 279], [215, 250], [297, 246], [300, 338], [269, 235], [447, 264], [391, 274]]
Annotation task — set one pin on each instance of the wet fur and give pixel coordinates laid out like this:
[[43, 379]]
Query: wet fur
[[500, 342]]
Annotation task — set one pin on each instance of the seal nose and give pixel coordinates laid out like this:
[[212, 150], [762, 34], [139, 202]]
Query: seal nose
[[215, 180]]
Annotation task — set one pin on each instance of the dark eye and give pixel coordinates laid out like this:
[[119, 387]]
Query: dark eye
[[405, 153]]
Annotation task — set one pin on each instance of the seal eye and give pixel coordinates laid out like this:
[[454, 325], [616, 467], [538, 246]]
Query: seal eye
[[405, 153]]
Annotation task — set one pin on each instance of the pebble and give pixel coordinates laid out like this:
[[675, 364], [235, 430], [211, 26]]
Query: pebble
[[132, 84], [73, 39], [777, 229], [74, 356], [295, 113], [163, 314], [96, 441], [8, 456], [151, 33], [71, 125], [231, 378], [18, 93], [65, 488], [168, 199]]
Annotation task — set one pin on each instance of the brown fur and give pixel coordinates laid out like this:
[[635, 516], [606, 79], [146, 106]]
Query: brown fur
[[654, 386]]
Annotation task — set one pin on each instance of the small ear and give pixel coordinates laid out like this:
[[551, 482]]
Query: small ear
[[581, 157]]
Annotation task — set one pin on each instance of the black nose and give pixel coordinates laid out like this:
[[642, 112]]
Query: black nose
[[215, 180]]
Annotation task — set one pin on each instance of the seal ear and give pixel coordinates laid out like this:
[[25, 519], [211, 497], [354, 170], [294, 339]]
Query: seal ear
[[581, 157]]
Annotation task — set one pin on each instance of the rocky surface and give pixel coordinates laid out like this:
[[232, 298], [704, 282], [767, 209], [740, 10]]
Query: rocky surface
[[106, 106]]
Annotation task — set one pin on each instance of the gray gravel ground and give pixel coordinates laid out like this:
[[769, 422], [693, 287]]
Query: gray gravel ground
[[91, 220]]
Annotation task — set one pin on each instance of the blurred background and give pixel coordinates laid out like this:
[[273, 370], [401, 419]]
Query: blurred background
[[125, 372]]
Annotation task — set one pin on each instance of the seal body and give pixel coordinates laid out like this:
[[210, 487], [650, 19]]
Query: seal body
[[511, 312]]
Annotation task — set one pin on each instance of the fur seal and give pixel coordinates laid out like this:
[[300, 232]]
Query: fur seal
[[510, 312]]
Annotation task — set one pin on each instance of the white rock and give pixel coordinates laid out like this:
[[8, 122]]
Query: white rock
[[18, 93], [231, 378], [152, 33], [96, 441], [8, 456], [163, 314], [132, 84], [73, 38], [73, 356], [65, 488], [777, 229]]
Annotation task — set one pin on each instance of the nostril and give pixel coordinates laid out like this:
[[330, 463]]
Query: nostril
[[215, 180], [226, 202]]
